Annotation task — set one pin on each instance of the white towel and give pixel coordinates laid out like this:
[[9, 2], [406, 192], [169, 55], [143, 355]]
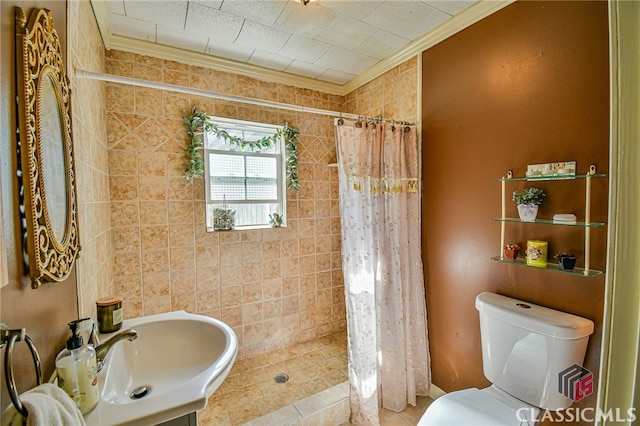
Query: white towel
[[47, 405]]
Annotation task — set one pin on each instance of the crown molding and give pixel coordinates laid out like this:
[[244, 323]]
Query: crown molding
[[102, 19], [220, 64], [141, 47], [457, 23]]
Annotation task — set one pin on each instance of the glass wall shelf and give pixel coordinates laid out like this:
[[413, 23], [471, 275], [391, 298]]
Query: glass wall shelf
[[551, 222], [550, 267], [586, 271], [551, 177]]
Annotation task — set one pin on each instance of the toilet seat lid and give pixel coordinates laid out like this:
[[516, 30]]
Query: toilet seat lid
[[475, 407]]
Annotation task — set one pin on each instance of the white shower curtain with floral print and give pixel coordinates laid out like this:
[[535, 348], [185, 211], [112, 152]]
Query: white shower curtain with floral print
[[388, 348]]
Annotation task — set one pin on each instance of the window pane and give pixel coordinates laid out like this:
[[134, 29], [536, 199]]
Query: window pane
[[262, 189], [255, 136], [222, 188], [254, 178], [226, 165], [214, 142], [262, 167]]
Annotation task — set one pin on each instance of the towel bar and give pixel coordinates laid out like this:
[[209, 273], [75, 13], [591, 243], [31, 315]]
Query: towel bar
[[10, 337]]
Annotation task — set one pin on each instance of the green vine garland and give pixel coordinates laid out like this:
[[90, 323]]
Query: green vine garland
[[199, 122]]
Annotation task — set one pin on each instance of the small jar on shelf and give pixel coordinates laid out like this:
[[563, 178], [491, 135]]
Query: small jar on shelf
[[511, 251]]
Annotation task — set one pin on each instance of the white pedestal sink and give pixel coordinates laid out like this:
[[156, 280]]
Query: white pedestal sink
[[180, 358]]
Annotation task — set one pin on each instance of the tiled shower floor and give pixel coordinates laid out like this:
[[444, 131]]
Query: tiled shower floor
[[250, 390]]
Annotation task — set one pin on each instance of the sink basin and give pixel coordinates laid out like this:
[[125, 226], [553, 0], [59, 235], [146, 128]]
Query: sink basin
[[171, 369]]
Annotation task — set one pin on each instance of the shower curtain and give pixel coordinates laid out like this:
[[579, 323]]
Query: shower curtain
[[388, 349]]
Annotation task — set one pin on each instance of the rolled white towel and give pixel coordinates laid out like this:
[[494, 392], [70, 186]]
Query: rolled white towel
[[46, 405]]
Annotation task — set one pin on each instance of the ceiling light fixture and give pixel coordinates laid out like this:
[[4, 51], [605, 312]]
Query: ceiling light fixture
[[305, 2]]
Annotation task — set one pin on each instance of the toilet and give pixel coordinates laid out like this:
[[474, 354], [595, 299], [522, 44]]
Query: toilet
[[524, 348]]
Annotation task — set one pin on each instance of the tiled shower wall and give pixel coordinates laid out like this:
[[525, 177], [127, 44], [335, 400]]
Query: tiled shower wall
[[275, 287], [392, 95], [86, 52]]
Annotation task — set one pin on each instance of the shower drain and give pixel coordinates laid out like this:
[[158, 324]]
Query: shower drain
[[281, 378]]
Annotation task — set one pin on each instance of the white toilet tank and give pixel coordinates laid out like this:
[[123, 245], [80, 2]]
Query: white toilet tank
[[525, 346]]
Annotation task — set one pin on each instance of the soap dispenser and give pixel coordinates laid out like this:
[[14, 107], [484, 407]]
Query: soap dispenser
[[76, 368]]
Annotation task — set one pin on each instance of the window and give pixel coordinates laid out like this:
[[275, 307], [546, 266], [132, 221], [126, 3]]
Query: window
[[250, 182]]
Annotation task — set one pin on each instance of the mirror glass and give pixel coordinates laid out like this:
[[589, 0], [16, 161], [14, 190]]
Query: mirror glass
[[53, 164]]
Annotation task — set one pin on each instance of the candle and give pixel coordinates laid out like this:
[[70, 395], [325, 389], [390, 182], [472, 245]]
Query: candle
[[537, 253]]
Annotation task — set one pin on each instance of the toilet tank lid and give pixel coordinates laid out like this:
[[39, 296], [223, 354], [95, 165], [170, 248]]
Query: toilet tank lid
[[536, 318]]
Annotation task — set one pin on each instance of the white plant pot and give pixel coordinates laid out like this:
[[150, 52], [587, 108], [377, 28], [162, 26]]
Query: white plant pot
[[528, 212], [223, 219]]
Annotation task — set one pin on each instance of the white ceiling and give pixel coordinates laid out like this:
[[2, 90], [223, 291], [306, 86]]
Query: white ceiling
[[332, 41]]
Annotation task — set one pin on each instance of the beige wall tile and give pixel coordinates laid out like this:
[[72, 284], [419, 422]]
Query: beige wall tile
[[208, 278], [207, 256], [123, 188], [125, 239], [232, 316], [155, 260], [251, 312], [152, 164], [120, 99], [271, 250], [308, 283], [154, 237], [153, 213], [252, 272], [122, 163], [183, 282], [271, 269], [252, 292], [231, 254], [159, 234], [291, 286], [272, 289], [157, 304], [181, 235], [181, 212], [152, 188], [183, 258], [177, 190], [184, 301], [148, 102], [231, 296], [156, 284], [229, 276], [208, 300], [272, 309], [126, 263]]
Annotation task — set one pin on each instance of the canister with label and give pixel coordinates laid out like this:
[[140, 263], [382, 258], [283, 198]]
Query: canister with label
[[110, 314], [537, 253]]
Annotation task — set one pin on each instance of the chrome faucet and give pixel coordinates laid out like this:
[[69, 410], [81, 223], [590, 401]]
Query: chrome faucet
[[103, 349]]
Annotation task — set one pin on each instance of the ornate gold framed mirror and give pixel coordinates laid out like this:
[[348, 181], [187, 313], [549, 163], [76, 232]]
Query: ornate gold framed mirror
[[46, 149]]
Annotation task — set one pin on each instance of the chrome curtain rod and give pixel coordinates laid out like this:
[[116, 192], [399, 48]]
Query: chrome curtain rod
[[198, 92]]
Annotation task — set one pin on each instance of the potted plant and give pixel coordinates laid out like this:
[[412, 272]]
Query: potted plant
[[566, 260], [511, 251], [528, 202], [224, 218]]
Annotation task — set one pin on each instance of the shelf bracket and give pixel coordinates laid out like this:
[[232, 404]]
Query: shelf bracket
[[587, 221]]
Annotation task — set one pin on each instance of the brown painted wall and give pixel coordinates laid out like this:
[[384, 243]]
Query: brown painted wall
[[46, 311], [43, 312], [526, 85]]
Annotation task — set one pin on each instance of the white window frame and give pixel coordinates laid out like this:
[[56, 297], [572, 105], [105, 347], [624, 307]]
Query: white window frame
[[279, 155]]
